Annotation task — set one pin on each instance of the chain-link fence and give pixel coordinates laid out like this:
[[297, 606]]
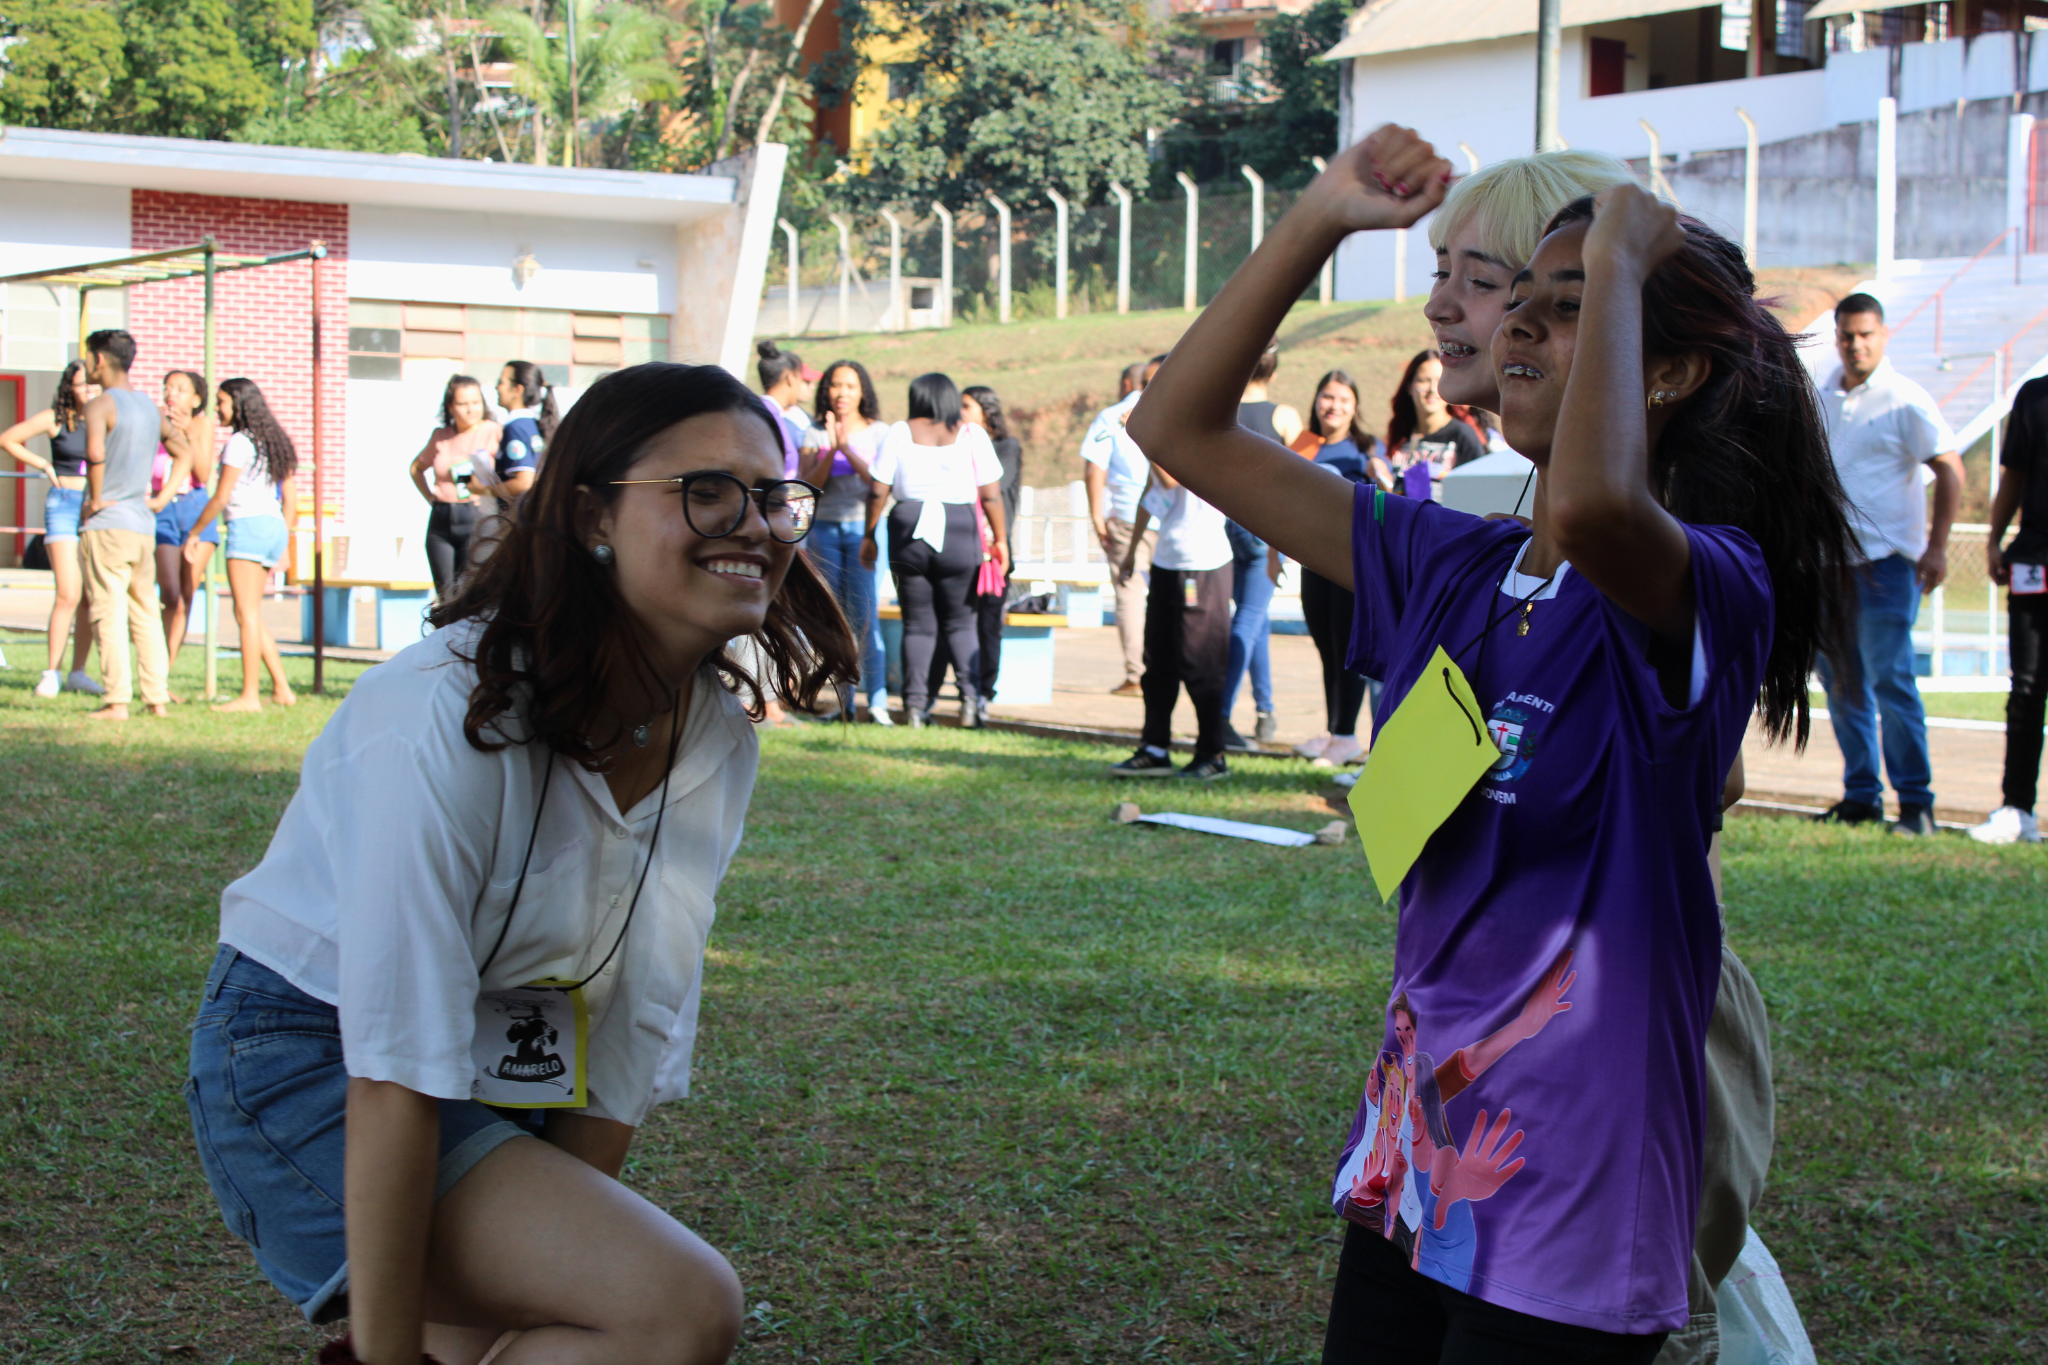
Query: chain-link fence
[[844, 287]]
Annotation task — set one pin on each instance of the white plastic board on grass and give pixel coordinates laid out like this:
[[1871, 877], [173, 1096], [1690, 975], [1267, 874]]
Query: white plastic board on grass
[[1233, 829]]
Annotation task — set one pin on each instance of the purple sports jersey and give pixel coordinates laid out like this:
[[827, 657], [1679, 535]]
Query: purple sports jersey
[[1530, 1127]]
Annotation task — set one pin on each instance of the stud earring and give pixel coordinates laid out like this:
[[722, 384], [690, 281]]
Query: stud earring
[[601, 553]]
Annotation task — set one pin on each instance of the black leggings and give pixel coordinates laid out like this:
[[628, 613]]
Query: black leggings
[[1385, 1313], [450, 527], [1328, 609], [936, 593], [988, 612], [2024, 705]]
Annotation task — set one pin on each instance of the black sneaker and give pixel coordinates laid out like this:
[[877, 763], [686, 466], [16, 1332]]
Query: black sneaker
[[1143, 764], [1915, 821], [1205, 769], [1235, 742], [1847, 812]]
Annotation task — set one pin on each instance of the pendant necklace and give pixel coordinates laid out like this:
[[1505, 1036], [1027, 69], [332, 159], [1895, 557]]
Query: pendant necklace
[[1521, 626], [640, 732]]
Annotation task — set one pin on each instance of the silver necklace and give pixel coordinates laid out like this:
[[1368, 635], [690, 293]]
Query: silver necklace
[[640, 731]]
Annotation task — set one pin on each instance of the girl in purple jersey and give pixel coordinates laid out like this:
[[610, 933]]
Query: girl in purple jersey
[[1536, 1190]]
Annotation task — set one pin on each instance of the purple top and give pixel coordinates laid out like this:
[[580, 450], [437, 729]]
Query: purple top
[[1558, 946]]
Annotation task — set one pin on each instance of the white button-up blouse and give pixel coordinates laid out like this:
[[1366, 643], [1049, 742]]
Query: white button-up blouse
[[389, 878]]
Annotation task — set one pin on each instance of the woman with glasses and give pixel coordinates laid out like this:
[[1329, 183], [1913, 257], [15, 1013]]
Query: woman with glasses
[[469, 964], [938, 467]]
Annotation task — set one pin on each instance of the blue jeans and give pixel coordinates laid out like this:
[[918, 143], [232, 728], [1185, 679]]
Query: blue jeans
[[1887, 601], [1251, 631], [834, 548], [267, 1092]]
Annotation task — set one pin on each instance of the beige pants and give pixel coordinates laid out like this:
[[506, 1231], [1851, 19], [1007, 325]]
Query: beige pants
[[1130, 596], [1737, 1153], [120, 574]]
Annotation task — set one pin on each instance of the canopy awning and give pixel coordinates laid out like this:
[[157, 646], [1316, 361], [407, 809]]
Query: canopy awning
[[155, 267], [1405, 25]]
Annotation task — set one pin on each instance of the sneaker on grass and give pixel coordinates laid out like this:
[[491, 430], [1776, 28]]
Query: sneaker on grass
[[2008, 825], [1847, 812], [1235, 742], [1205, 769], [1267, 729], [50, 683], [81, 681], [1143, 763], [1915, 821]]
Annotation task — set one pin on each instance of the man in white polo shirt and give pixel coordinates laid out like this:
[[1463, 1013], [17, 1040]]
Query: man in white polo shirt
[[1114, 466], [1187, 629], [1884, 428]]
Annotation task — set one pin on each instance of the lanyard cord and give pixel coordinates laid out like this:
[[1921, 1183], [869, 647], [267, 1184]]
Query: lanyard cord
[[661, 812], [1515, 605]]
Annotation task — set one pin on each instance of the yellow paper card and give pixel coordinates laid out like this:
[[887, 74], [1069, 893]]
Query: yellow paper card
[[1427, 757]]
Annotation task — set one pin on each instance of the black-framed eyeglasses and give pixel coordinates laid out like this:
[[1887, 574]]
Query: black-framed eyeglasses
[[715, 503]]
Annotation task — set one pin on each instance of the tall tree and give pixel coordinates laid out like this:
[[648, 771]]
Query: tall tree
[[61, 64], [1285, 110], [621, 62], [1010, 96]]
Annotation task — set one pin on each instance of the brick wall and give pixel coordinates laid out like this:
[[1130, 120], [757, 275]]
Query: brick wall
[[262, 317]]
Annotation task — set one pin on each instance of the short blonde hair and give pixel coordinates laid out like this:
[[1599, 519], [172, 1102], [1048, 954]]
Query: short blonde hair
[[1511, 201]]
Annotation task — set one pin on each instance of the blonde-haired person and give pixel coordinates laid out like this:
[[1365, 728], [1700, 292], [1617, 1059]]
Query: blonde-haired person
[[1485, 232]]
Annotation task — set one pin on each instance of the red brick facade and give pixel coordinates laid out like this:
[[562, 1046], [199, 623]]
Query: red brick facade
[[262, 318]]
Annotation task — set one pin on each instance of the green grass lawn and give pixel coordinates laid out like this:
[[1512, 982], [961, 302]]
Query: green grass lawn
[[986, 1077], [1955, 705]]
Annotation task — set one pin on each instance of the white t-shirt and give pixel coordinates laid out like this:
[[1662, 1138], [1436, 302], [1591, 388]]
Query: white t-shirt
[[1881, 433], [254, 495], [1191, 534], [1109, 447], [954, 473], [390, 875]]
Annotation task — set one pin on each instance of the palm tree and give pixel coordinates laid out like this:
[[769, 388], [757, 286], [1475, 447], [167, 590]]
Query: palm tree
[[619, 60]]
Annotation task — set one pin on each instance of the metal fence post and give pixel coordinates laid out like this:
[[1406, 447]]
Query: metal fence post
[[789, 236], [1326, 285], [1258, 183], [845, 226], [894, 320], [1059, 260], [1187, 186], [945, 263], [1123, 246], [1750, 172], [1887, 186], [1003, 265], [1401, 265], [2019, 145], [1657, 180]]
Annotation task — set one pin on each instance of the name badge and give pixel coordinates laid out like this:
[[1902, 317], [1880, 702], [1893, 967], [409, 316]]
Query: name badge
[[1428, 757], [529, 1047], [1190, 598], [2029, 580]]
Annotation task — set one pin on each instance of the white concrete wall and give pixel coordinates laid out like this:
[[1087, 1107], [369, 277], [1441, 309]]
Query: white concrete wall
[[44, 224], [432, 256]]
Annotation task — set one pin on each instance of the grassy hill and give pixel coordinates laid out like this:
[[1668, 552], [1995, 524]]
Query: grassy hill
[[1055, 375]]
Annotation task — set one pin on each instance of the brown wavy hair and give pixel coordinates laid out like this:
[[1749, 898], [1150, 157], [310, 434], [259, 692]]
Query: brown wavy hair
[[1750, 450], [556, 635]]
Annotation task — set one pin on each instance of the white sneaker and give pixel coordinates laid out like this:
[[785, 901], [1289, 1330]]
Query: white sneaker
[[81, 681], [1313, 748], [50, 684], [2008, 825], [878, 712], [1340, 750]]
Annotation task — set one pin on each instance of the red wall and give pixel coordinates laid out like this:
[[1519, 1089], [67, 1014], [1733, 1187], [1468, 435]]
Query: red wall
[[262, 318]]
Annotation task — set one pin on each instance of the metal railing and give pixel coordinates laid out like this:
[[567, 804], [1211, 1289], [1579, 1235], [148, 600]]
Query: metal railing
[[1938, 297]]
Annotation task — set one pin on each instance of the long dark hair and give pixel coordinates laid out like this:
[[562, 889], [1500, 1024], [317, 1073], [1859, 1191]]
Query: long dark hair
[[64, 405], [252, 418], [1750, 450], [534, 388], [1358, 433], [870, 404], [1406, 420], [991, 408], [456, 384], [556, 633]]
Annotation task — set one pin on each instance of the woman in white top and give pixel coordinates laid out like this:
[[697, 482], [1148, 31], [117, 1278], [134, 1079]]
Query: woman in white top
[[937, 467], [482, 918], [261, 500]]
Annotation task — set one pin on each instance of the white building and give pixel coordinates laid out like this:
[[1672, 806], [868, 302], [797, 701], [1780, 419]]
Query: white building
[[435, 267]]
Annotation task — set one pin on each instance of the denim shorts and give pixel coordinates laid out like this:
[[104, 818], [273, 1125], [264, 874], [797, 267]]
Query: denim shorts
[[259, 538], [268, 1094], [61, 507], [180, 515]]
